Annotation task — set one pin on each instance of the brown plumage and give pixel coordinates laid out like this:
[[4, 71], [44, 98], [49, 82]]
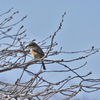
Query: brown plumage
[[36, 51]]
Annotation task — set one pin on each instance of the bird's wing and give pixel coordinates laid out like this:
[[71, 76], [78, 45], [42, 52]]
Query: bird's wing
[[40, 52]]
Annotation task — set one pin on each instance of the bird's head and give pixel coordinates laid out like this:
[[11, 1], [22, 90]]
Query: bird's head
[[32, 45]]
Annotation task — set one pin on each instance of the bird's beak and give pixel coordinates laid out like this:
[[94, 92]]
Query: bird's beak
[[27, 46]]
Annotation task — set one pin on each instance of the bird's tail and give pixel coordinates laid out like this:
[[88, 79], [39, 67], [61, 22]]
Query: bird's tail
[[43, 65]]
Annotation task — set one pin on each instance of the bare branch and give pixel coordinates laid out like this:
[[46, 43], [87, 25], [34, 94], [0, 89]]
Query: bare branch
[[13, 55]]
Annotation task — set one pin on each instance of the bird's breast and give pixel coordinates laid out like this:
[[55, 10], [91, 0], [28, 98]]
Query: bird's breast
[[35, 55]]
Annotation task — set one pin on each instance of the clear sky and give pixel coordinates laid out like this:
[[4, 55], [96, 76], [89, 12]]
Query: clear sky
[[80, 30]]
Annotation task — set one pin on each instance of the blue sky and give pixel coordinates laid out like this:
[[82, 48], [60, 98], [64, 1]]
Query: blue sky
[[80, 30]]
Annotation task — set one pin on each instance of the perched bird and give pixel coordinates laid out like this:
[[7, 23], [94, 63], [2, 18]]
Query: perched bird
[[37, 52]]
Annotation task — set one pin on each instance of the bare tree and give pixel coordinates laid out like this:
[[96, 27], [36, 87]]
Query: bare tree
[[13, 56]]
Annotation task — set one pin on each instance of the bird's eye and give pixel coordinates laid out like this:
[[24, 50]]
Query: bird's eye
[[32, 45]]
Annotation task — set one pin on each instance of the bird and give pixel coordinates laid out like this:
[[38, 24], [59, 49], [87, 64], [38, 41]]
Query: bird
[[36, 52]]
